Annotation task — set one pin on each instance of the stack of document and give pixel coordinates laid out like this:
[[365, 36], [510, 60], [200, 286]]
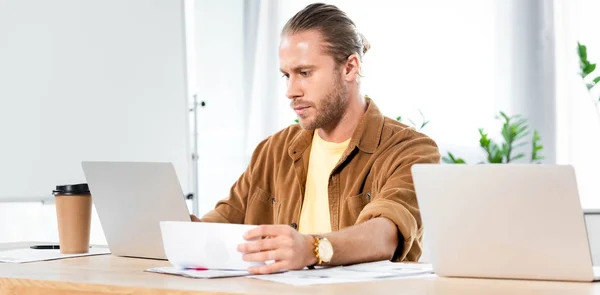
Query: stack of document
[[374, 271], [199, 273], [381, 270]]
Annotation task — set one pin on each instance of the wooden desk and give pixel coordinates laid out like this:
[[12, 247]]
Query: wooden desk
[[108, 274]]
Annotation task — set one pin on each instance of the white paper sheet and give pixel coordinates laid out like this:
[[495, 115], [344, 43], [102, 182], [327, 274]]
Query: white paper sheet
[[198, 274], [388, 266], [383, 270], [206, 245], [31, 255]]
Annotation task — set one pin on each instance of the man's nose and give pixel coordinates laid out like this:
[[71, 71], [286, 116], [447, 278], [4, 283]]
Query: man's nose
[[293, 89]]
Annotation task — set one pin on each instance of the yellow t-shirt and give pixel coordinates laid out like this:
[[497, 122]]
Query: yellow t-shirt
[[314, 218]]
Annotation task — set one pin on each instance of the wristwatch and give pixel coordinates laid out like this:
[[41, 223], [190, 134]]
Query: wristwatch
[[323, 249]]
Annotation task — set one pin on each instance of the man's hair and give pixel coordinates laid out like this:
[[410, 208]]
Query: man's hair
[[336, 28]]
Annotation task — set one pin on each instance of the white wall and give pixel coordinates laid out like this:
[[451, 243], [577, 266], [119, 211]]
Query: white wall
[[92, 80], [219, 82], [37, 222], [85, 80]]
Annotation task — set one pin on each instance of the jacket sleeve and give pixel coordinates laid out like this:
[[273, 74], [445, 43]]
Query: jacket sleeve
[[233, 208], [394, 197]]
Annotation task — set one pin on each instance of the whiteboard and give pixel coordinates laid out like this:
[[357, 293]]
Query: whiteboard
[[89, 80]]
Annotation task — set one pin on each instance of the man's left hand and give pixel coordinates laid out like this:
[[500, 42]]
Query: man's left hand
[[287, 247]]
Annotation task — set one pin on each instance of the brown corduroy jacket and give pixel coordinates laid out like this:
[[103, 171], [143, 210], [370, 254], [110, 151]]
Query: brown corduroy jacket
[[372, 179]]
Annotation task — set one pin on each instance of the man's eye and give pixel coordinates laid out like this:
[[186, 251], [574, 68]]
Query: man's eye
[[304, 73], [285, 76]]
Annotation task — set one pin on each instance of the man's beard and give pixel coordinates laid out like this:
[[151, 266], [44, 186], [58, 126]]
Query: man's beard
[[332, 108]]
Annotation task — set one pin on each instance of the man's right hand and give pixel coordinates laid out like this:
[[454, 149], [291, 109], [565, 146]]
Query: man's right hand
[[194, 218]]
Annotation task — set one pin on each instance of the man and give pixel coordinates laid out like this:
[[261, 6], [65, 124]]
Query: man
[[336, 188]]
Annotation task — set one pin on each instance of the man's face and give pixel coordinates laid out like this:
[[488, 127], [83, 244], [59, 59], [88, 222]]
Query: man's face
[[318, 94]]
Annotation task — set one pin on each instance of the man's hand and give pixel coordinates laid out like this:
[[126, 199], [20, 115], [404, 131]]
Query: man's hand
[[194, 218], [284, 245]]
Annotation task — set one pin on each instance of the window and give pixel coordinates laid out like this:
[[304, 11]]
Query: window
[[579, 133]]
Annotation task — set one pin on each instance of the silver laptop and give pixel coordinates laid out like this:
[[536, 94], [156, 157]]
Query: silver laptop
[[131, 200], [504, 221]]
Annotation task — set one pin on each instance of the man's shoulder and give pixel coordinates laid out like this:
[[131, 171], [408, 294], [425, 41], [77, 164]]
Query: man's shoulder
[[288, 133], [281, 140], [399, 139]]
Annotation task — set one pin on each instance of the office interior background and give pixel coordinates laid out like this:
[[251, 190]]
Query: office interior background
[[454, 64]]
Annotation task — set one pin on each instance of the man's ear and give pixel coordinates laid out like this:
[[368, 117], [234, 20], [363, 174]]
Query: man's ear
[[352, 68]]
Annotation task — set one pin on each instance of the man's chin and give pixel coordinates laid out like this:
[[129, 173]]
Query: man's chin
[[306, 124]]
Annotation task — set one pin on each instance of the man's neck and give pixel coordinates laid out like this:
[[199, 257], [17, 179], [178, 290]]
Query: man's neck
[[344, 129]]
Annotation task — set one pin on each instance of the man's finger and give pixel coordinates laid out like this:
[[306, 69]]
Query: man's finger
[[267, 230], [194, 218], [259, 245], [269, 268], [277, 254]]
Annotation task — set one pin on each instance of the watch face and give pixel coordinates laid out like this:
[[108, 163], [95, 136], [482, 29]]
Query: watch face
[[325, 250]]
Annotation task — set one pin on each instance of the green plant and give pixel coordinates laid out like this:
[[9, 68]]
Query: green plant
[[451, 159], [587, 68], [514, 132]]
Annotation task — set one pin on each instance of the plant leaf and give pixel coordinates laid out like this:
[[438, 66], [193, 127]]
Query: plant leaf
[[505, 149], [447, 161], [519, 156], [536, 147], [484, 141], [524, 143], [399, 118], [495, 154], [590, 68], [581, 51], [452, 160], [584, 65], [520, 136]]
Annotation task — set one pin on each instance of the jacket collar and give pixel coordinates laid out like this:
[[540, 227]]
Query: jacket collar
[[366, 136]]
